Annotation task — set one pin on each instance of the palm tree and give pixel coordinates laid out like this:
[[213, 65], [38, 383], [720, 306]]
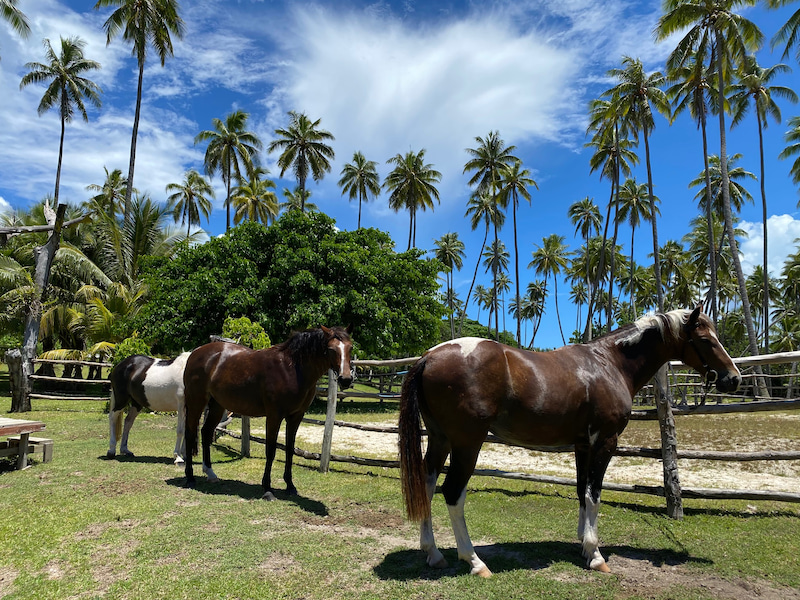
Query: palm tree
[[535, 298], [789, 31], [411, 184], [143, 23], [15, 17], [110, 197], [549, 259], [514, 183], [230, 144], [488, 160], [693, 90], [792, 138], [738, 194], [634, 207], [297, 199], [303, 149], [189, 199], [254, 200], [754, 83], [585, 216], [359, 180], [482, 208], [714, 24], [495, 258], [636, 93], [67, 89], [450, 252]]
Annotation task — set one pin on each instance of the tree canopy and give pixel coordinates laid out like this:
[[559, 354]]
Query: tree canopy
[[298, 273]]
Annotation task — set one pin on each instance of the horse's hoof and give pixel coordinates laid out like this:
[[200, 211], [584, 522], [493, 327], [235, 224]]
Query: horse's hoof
[[600, 567], [483, 572], [179, 461], [213, 479], [111, 454], [127, 453], [268, 496], [440, 564], [292, 491], [190, 484]]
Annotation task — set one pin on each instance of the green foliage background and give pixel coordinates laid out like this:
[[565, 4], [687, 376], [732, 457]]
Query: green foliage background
[[298, 273]]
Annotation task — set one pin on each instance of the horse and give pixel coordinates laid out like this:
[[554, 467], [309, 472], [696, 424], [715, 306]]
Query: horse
[[145, 382], [277, 383], [579, 395]]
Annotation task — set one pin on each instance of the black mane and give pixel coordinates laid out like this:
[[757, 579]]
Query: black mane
[[302, 345]]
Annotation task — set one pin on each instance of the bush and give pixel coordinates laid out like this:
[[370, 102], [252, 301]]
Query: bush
[[247, 333], [129, 347]]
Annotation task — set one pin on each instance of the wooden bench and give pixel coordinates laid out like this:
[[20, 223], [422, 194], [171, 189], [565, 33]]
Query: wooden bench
[[21, 431]]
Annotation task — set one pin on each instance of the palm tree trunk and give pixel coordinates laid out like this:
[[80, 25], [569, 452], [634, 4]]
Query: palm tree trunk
[[587, 332], [764, 218], [558, 315], [633, 292], [726, 211], [654, 221], [516, 271], [474, 277], [494, 288], [134, 137], [712, 247], [228, 200]]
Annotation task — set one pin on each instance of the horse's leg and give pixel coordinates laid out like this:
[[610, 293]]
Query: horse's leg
[[114, 427], [454, 489], [213, 416], [582, 472], [435, 456], [192, 412], [133, 412], [180, 447], [292, 424], [273, 427], [596, 462]]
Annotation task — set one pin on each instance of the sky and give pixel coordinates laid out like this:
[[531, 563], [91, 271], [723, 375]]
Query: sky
[[384, 78]]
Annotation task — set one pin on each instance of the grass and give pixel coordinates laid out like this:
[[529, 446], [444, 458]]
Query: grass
[[83, 526]]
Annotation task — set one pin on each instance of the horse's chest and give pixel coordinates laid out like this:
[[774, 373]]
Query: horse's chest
[[161, 389]]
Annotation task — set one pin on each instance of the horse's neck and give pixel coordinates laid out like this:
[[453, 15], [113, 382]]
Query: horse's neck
[[643, 359]]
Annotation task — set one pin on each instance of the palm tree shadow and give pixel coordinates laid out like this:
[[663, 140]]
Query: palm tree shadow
[[405, 565]]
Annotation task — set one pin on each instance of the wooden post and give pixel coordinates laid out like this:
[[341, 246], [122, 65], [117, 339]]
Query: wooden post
[[330, 416], [245, 436], [669, 446]]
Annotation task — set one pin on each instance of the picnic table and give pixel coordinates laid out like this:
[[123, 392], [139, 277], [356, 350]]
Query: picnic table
[[23, 429]]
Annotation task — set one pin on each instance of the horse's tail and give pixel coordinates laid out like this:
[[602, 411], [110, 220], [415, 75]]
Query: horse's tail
[[412, 466]]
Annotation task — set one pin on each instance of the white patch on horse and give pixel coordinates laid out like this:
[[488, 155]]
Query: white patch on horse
[[163, 384], [340, 349], [466, 551], [467, 345]]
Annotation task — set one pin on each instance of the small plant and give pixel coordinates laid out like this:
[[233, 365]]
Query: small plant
[[129, 347], [247, 333]]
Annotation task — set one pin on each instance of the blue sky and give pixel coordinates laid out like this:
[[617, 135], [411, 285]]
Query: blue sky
[[386, 78]]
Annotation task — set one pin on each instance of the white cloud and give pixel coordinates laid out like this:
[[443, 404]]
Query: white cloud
[[5, 207], [782, 232]]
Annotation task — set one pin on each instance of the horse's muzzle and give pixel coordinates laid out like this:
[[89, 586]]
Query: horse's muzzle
[[345, 382], [728, 382]]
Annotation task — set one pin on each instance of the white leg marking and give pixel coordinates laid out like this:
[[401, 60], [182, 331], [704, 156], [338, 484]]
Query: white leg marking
[[465, 549], [212, 477], [588, 528], [126, 430], [179, 442], [426, 540]]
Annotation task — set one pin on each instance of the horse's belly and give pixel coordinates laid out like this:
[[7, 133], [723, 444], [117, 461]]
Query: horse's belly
[[531, 431], [161, 391]]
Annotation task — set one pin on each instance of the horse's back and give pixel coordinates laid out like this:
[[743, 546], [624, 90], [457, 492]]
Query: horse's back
[[126, 380]]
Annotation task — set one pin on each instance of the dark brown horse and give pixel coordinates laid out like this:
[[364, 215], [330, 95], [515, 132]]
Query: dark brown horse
[[577, 395], [277, 383]]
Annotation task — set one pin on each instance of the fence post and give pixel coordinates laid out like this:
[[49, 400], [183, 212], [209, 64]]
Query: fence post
[[669, 446], [245, 436], [330, 416]]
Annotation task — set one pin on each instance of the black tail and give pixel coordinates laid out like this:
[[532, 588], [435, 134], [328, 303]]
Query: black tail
[[412, 466]]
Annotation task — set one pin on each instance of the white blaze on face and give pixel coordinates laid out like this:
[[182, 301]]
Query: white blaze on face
[[467, 345], [339, 345]]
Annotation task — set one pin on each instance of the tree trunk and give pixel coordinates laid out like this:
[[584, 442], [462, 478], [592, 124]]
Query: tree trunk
[[134, 137], [516, 273], [712, 247], [765, 306], [43, 255], [654, 221], [472, 285]]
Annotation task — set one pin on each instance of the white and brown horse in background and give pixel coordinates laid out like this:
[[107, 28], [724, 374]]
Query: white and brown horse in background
[[144, 382], [578, 395]]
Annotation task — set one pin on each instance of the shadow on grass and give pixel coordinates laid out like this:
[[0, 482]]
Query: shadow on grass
[[404, 565], [145, 460]]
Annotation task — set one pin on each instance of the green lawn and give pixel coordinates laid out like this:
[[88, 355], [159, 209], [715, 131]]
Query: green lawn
[[83, 526]]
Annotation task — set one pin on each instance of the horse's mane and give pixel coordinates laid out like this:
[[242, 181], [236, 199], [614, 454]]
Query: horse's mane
[[668, 323], [309, 343]]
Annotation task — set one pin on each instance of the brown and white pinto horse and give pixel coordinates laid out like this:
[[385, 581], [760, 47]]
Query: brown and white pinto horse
[[577, 395], [277, 383]]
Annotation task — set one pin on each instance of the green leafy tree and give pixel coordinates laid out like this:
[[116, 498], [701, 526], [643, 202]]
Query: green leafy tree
[[144, 24], [231, 150], [359, 179], [245, 332], [303, 150], [67, 87], [299, 272], [792, 138]]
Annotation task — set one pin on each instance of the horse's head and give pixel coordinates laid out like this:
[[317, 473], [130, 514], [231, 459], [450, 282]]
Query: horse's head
[[703, 352], [340, 347]]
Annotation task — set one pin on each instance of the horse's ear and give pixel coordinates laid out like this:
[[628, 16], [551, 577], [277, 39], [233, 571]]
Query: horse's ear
[[695, 316], [326, 330]]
